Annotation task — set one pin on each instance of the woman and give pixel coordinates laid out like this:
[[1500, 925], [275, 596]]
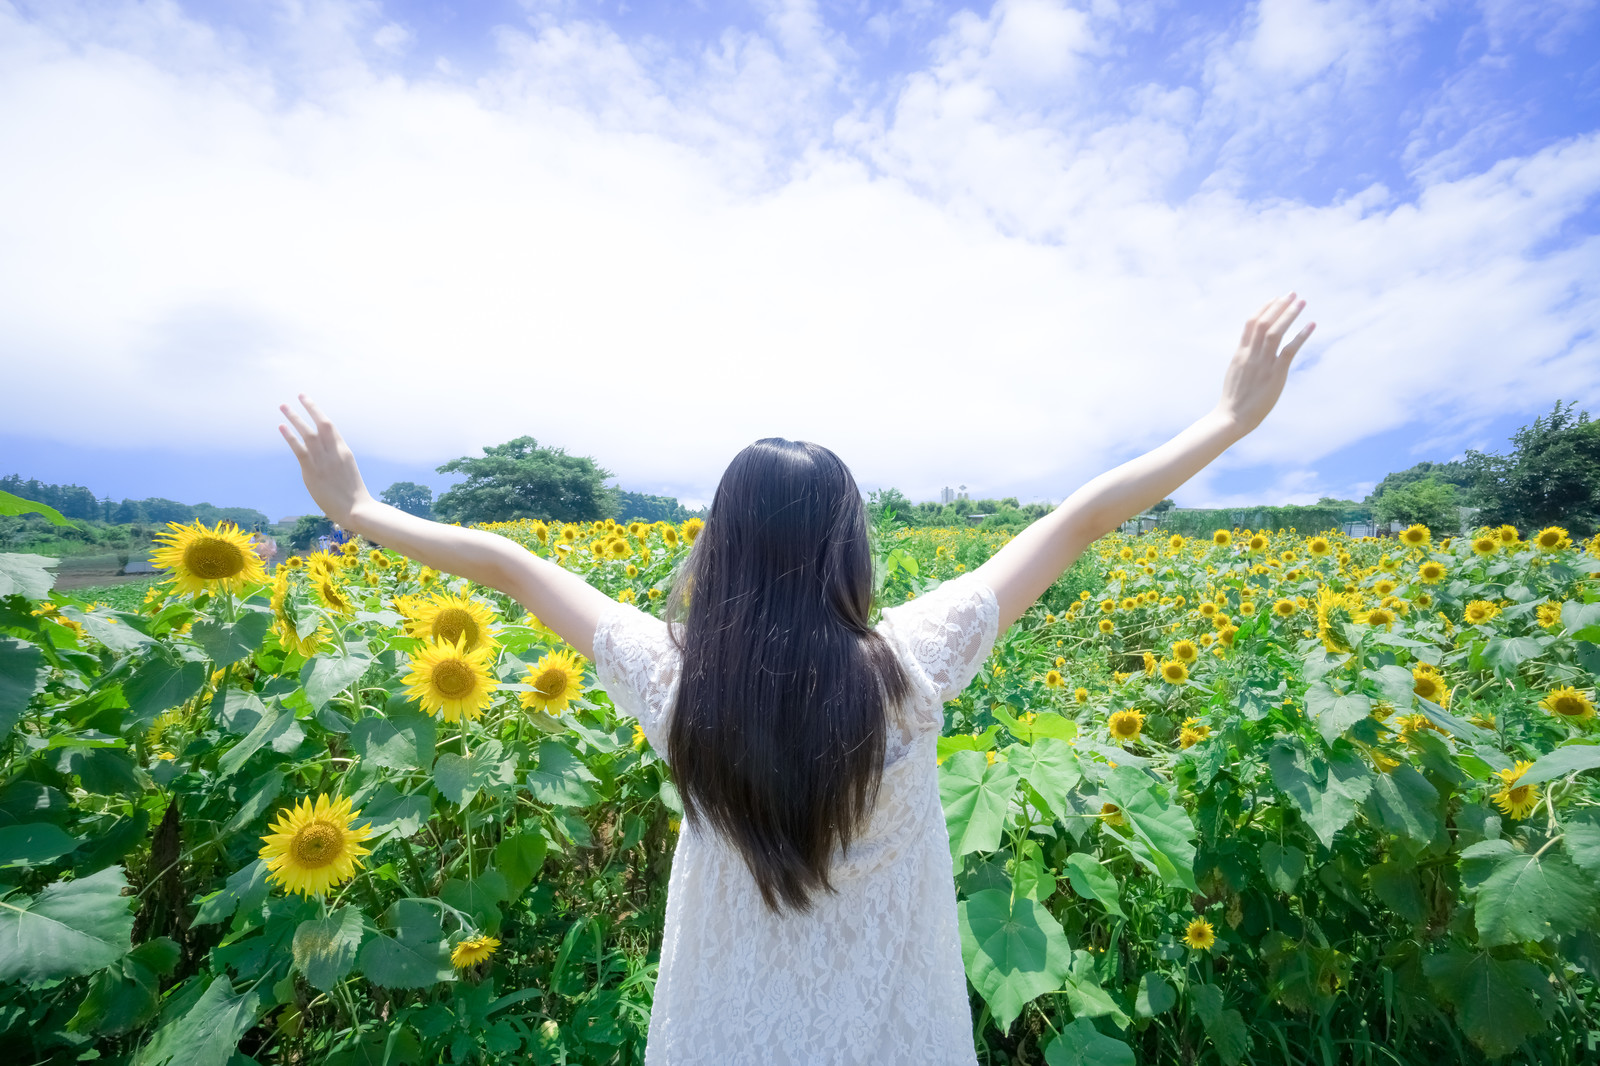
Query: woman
[[811, 910]]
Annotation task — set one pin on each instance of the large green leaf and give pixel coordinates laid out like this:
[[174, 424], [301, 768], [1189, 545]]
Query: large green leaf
[[459, 779], [277, 728], [1014, 951], [12, 505], [391, 812], [415, 956], [325, 676], [1162, 833], [1156, 995], [127, 993], [1081, 1044], [1407, 803], [1284, 865], [1524, 896], [1496, 1000], [70, 928], [1093, 881], [325, 948], [1399, 888], [22, 673], [1050, 766], [1570, 759], [480, 897], [561, 779], [401, 740], [1396, 685], [26, 575], [1505, 654], [1581, 837], [228, 642], [208, 1033], [976, 797], [159, 686], [1326, 791], [1334, 713], [33, 843], [1225, 1028], [246, 887], [519, 858]]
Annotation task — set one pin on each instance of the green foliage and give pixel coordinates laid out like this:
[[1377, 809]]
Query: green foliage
[[1430, 501], [1455, 474], [1202, 522], [519, 479], [16, 505], [410, 497], [1551, 475], [307, 528], [640, 507]]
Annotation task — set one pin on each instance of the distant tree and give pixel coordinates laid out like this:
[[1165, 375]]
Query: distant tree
[[638, 506], [1163, 507], [160, 511], [1551, 476], [1433, 503], [1451, 473], [410, 498], [128, 512], [881, 500], [246, 518], [306, 531], [519, 479]]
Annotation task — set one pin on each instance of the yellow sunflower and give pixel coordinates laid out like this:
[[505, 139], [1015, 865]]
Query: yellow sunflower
[[1283, 608], [1485, 545], [1175, 542], [1111, 814], [315, 846], [1174, 672], [1552, 539], [555, 680], [1479, 612], [1107, 625], [473, 950], [450, 680], [201, 558], [1081, 694], [1188, 738], [1568, 703], [1318, 546], [1107, 606], [447, 619], [1378, 616], [1516, 800], [1200, 935], [1125, 725], [1427, 683], [1507, 534], [1550, 614], [692, 528], [1415, 535], [1185, 652], [1222, 538], [1052, 678]]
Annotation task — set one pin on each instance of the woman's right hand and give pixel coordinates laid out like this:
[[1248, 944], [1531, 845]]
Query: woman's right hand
[[1256, 374], [326, 463]]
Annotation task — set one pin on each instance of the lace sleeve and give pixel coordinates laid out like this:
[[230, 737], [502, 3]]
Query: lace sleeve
[[636, 663], [948, 633]]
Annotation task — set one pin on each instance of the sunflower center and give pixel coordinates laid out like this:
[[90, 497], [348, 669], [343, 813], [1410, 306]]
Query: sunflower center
[[454, 679], [1571, 705], [317, 845], [552, 684], [1519, 793], [211, 558], [1427, 688], [452, 622]]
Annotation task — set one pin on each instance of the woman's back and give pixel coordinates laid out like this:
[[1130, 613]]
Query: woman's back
[[872, 973]]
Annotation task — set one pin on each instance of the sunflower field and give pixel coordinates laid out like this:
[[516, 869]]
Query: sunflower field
[[1258, 797]]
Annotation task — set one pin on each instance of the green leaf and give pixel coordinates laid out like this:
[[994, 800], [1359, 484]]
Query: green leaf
[[1333, 713], [277, 728], [1085, 997], [415, 956], [22, 674], [1496, 1000], [948, 746], [1396, 685], [1569, 759], [159, 686], [208, 1033], [1081, 1044], [245, 888], [520, 858], [1225, 1028], [1579, 618], [26, 575], [400, 740], [561, 778], [1524, 896], [1049, 765], [115, 630], [1326, 791], [1014, 951], [70, 928], [228, 642], [325, 948], [1156, 995], [1284, 865], [459, 780], [32, 844], [325, 676], [1396, 885], [1581, 837], [1163, 834], [15, 505], [1505, 654], [390, 812], [1407, 803], [481, 897], [1093, 881], [976, 797], [127, 994]]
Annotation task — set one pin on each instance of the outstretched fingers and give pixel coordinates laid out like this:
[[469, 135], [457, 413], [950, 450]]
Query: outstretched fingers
[[306, 432], [1288, 354], [1281, 324], [295, 445]]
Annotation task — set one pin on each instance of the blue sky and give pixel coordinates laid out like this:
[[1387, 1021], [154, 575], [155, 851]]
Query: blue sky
[[1004, 244]]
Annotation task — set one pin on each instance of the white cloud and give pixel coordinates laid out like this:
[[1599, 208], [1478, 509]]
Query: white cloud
[[655, 257]]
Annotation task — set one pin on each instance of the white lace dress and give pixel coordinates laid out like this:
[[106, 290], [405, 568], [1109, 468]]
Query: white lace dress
[[873, 974]]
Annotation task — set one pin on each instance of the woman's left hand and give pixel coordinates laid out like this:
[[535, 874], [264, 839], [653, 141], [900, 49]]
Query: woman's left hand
[[326, 463]]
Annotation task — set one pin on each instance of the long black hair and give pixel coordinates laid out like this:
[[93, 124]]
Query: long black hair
[[777, 738]]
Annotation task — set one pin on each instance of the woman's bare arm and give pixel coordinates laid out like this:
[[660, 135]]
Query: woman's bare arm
[[561, 599], [1020, 572]]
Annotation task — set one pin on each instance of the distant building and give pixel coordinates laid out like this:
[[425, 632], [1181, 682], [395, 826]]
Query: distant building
[[290, 519], [947, 494]]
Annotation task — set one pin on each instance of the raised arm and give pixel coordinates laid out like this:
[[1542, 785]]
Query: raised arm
[[1020, 572], [562, 600]]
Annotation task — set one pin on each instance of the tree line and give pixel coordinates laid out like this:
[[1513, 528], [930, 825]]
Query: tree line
[[79, 503]]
